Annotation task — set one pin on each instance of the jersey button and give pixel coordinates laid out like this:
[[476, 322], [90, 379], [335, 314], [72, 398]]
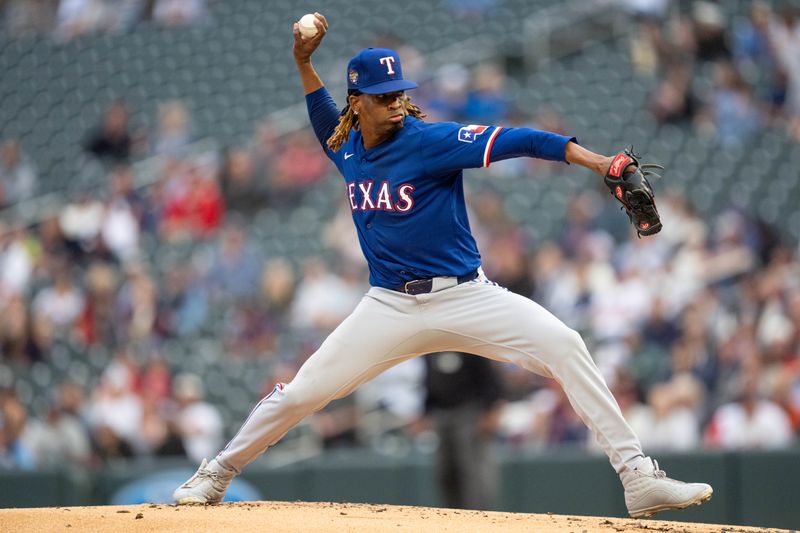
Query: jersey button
[[369, 226]]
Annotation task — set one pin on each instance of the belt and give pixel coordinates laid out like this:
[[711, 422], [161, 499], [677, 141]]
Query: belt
[[424, 286]]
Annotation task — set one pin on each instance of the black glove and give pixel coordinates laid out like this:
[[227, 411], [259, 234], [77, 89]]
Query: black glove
[[626, 179]]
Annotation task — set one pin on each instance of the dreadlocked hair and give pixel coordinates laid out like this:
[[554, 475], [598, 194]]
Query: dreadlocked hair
[[348, 120]]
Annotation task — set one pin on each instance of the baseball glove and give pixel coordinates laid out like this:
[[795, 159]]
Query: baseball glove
[[627, 181]]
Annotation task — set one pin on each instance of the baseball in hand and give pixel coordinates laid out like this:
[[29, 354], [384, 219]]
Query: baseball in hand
[[307, 27]]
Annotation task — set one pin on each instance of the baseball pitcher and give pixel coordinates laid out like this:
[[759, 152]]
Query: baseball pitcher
[[403, 182]]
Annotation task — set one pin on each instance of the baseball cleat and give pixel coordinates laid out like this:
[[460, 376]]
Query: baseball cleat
[[648, 490], [207, 485]]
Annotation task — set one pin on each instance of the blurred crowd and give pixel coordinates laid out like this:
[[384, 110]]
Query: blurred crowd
[[697, 330], [68, 19], [733, 78]]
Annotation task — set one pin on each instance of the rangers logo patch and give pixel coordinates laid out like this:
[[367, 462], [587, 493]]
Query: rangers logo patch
[[469, 133]]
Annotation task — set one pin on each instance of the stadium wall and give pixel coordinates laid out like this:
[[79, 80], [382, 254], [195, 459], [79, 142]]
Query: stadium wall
[[745, 489]]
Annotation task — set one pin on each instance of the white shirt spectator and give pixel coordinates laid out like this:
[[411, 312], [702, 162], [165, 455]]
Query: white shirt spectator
[[120, 231], [179, 12], [619, 309], [767, 426], [61, 304], [199, 422], [115, 406], [16, 266], [677, 430], [81, 221], [201, 426], [323, 299], [399, 390], [76, 17]]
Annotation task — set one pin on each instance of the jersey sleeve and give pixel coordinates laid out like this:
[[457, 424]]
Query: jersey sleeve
[[324, 116], [449, 146]]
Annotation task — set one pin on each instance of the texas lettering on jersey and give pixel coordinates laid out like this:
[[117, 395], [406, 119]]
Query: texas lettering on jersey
[[372, 196]]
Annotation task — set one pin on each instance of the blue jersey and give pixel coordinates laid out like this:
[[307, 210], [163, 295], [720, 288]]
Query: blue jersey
[[407, 193]]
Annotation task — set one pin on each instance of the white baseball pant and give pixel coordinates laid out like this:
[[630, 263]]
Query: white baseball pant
[[479, 317]]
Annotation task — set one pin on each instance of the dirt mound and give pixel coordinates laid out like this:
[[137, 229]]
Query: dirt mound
[[321, 517]]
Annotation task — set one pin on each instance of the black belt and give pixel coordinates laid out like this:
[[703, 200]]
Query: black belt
[[424, 286]]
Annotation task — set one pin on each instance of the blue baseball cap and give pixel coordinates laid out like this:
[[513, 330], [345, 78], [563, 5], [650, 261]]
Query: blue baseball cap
[[376, 71]]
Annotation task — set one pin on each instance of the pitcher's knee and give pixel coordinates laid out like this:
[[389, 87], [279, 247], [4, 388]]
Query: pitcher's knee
[[571, 346], [297, 402]]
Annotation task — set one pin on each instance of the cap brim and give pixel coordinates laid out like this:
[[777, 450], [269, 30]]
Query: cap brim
[[389, 87]]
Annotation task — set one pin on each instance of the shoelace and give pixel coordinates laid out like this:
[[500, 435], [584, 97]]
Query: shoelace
[[204, 473], [660, 474]]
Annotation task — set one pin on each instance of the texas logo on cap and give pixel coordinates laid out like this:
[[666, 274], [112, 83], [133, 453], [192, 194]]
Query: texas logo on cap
[[377, 71]]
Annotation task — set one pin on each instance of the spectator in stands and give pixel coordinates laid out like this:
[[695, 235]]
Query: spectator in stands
[[23, 18], [733, 111], [277, 287], [112, 141], [50, 237], [236, 266], [182, 302], [16, 343], [192, 206], [115, 411], [264, 153], [449, 97], [752, 421], [61, 438], [80, 17], [709, 30], [340, 236], [81, 222], [131, 214], [249, 329], [647, 9], [136, 305], [384, 410], [176, 13], [674, 414], [96, 324], [660, 328], [19, 255], [122, 186], [507, 264], [159, 431], [563, 427], [173, 134], [323, 299], [750, 42], [110, 447], [61, 303], [243, 192], [199, 422], [784, 37], [672, 100], [300, 164], [120, 230], [487, 102], [17, 174], [15, 453]]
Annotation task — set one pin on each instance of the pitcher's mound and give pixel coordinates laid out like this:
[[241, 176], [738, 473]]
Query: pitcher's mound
[[321, 517]]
